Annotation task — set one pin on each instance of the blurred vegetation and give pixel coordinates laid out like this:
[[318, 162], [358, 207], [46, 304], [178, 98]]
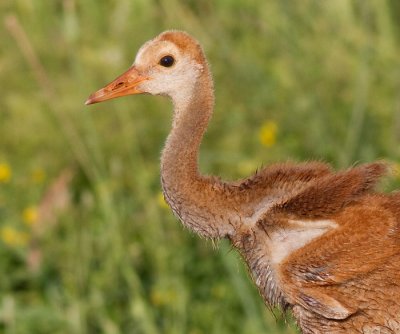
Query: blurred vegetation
[[86, 243]]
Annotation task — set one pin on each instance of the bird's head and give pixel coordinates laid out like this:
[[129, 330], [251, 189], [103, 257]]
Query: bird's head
[[169, 64]]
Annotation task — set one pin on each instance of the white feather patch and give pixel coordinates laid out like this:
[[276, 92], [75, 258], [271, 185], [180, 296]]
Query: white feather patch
[[296, 235]]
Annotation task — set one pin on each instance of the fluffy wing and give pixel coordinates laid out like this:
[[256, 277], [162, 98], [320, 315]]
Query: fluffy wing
[[329, 194]]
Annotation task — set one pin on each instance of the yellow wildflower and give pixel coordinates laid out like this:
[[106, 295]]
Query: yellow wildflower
[[267, 133], [161, 201], [12, 237], [30, 215], [38, 175], [5, 172]]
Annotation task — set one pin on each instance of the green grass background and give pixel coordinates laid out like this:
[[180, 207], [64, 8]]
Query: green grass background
[[326, 72]]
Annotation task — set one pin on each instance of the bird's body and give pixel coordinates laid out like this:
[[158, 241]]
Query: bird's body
[[322, 244]]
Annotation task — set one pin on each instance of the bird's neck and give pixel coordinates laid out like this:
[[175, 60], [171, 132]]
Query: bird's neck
[[192, 112], [199, 201]]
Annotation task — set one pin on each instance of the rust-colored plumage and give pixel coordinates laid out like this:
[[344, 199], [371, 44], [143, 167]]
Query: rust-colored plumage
[[322, 244]]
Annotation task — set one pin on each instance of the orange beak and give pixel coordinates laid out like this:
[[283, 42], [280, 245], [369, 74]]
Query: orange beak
[[125, 84]]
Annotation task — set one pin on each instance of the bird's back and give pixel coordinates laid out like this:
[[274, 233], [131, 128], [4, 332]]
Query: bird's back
[[329, 249]]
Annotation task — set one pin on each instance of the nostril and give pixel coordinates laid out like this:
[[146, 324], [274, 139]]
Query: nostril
[[118, 85]]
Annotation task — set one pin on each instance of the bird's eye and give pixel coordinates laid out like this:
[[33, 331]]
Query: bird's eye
[[167, 61]]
